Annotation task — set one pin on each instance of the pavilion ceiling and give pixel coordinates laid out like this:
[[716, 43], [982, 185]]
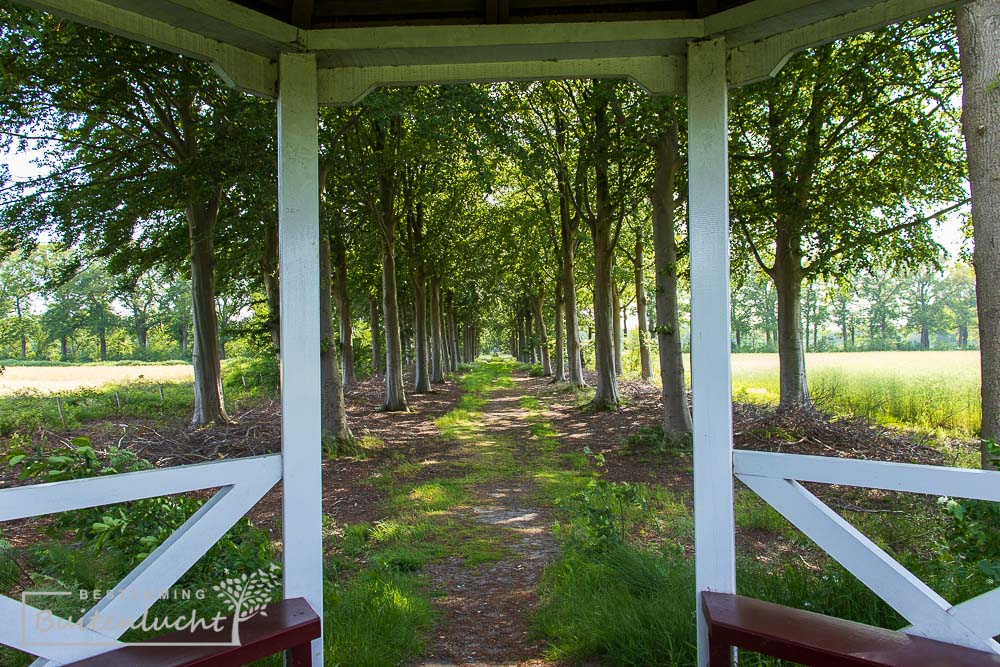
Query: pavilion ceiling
[[319, 14]]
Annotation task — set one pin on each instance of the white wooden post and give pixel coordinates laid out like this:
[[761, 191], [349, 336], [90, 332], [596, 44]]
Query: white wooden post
[[298, 232], [708, 165]]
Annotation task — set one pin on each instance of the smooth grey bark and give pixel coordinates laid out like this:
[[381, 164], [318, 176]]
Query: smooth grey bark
[[559, 366], [344, 321], [24, 337], [979, 44], [676, 413], [270, 275], [616, 310], [453, 328], [395, 396], [209, 407], [638, 267], [787, 274], [418, 282], [376, 335], [333, 412], [569, 225], [606, 396], [437, 334], [543, 339]]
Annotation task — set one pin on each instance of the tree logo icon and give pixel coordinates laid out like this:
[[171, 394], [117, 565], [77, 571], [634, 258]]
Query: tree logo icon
[[246, 596]]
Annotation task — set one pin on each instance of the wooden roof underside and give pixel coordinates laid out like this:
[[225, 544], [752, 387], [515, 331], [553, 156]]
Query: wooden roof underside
[[319, 14]]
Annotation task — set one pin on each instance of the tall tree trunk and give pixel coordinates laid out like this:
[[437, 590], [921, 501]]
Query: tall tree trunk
[[618, 314], [787, 276], [606, 396], [272, 290], [20, 327], [209, 407], [334, 414], [376, 336], [543, 339], [568, 227], [63, 349], [141, 335], [395, 397], [421, 378], [559, 369], [979, 42], [344, 321], [437, 335], [676, 413], [639, 259], [453, 326]]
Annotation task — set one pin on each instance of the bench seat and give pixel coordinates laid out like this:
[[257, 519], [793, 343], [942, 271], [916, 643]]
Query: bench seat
[[289, 625], [814, 639]]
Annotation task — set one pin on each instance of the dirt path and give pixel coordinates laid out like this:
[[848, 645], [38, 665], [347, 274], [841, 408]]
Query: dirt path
[[485, 610]]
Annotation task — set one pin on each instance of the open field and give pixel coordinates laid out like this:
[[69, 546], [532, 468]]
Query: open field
[[926, 390], [54, 379]]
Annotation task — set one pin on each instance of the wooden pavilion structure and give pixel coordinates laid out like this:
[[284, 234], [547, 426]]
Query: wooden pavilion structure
[[306, 53]]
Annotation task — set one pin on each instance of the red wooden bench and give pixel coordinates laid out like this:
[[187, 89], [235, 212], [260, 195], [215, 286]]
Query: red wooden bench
[[290, 625], [814, 639]]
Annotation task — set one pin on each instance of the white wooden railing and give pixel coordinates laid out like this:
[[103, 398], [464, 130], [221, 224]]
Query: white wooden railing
[[776, 478], [241, 483]]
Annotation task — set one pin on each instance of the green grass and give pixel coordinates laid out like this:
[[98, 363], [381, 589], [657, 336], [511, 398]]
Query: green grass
[[30, 411], [375, 619], [924, 390]]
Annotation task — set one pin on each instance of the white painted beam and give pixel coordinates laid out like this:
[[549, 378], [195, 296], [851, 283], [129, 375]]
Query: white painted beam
[[658, 75], [40, 499], [708, 203], [298, 234], [913, 599], [933, 480]]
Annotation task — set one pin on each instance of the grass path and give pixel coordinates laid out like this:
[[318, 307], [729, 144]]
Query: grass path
[[484, 610]]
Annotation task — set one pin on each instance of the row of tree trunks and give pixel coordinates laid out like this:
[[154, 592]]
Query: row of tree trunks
[[638, 265], [559, 368], [345, 324], [543, 340], [438, 352], [616, 309], [373, 314], [602, 233], [333, 412], [569, 225]]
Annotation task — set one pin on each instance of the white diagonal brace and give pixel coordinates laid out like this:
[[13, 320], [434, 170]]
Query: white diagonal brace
[[46, 635], [179, 552], [54, 497], [912, 598], [981, 614], [912, 478]]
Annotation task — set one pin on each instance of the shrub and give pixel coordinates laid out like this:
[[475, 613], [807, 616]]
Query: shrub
[[126, 533], [973, 530]]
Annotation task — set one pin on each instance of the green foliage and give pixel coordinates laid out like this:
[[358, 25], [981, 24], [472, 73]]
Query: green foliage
[[127, 532], [603, 515], [652, 438], [10, 570], [257, 375], [973, 531], [536, 371]]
